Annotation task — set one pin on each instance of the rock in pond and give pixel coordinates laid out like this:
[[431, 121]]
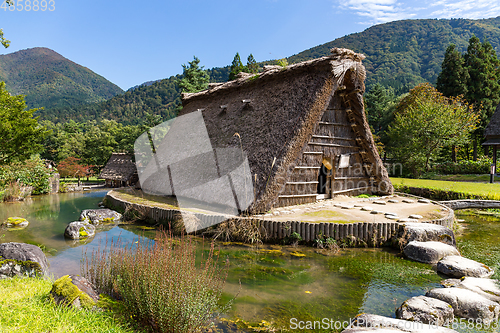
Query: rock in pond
[[488, 288], [458, 266], [98, 216], [79, 230], [426, 310], [16, 223], [425, 232], [74, 291], [368, 323], [428, 252], [22, 259], [467, 304]]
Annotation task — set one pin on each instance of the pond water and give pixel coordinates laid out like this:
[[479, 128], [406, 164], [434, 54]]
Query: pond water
[[276, 284]]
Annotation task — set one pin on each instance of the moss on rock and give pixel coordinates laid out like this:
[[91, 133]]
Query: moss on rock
[[64, 291]]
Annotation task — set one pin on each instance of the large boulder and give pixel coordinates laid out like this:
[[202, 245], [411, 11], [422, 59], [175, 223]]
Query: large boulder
[[425, 232], [426, 310], [370, 322], [15, 223], [467, 304], [98, 216], [428, 252], [485, 287], [74, 291], [79, 230], [22, 259], [458, 266]]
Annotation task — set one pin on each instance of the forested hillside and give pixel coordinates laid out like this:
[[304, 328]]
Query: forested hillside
[[405, 53], [400, 54], [50, 80]]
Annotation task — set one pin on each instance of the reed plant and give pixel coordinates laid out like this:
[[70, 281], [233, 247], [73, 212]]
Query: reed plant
[[160, 281]]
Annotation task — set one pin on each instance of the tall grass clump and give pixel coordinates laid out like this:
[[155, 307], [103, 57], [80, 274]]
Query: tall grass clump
[[160, 281]]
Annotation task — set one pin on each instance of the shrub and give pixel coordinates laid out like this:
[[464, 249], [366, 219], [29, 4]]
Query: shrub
[[481, 166], [160, 282], [30, 173]]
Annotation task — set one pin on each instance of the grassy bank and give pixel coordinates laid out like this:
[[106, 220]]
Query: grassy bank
[[446, 190], [26, 307]]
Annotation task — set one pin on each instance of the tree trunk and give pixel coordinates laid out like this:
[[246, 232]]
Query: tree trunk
[[454, 154], [474, 155]]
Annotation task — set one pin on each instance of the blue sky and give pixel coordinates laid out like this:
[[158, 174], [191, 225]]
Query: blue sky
[[130, 42]]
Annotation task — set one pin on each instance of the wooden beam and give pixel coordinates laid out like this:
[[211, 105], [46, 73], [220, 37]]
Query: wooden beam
[[298, 195], [332, 137], [299, 183], [334, 124], [332, 145]]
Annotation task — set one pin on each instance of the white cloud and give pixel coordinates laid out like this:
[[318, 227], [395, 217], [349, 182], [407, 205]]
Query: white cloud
[[378, 11], [381, 11], [472, 9]]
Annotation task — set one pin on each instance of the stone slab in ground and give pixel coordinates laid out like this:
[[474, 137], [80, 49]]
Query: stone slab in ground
[[79, 230], [458, 266], [26, 253], [426, 310], [370, 322], [467, 304], [98, 216], [488, 288], [428, 252], [425, 232]]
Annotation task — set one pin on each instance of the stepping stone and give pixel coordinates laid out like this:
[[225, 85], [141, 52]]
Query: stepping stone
[[458, 266], [393, 201], [485, 287], [338, 205], [358, 205], [79, 230], [425, 232], [467, 304], [286, 212], [415, 216], [367, 208], [276, 213], [391, 217], [426, 310], [376, 212], [406, 220], [347, 207], [366, 322], [389, 213], [267, 215], [428, 252], [380, 202], [98, 216], [424, 201], [296, 210], [408, 201]]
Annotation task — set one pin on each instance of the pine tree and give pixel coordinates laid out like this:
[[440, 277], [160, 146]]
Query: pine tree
[[483, 90], [236, 67], [452, 81], [194, 78], [378, 102], [252, 64]]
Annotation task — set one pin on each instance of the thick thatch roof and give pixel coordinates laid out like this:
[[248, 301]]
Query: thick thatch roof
[[492, 131], [119, 167], [276, 113]]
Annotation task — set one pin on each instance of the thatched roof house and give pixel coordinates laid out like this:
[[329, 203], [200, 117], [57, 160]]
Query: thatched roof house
[[492, 134], [302, 127], [119, 171]]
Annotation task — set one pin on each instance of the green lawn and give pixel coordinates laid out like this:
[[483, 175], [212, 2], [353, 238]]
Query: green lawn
[[485, 190], [464, 178], [25, 307]]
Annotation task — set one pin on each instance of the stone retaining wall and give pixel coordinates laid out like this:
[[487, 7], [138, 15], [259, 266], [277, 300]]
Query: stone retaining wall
[[373, 233], [466, 204]]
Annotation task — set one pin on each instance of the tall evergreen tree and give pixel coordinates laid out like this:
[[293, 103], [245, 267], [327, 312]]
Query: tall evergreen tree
[[483, 90], [236, 67], [194, 78], [379, 101], [252, 66], [452, 81]]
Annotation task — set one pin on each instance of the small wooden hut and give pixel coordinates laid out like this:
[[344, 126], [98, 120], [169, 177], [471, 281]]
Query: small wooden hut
[[492, 135], [302, 126], [119, 171]]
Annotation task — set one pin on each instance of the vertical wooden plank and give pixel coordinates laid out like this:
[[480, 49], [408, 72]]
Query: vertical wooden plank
[[303, 230], [322, 229], [280, 230], [317, 231], [336, 231], [350, 231]]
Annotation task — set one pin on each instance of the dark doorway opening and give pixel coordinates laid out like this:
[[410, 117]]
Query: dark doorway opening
[[322, 179]]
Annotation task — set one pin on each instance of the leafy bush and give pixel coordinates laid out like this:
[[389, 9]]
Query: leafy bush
[[32, 172], [160, 282], [481, 166]]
